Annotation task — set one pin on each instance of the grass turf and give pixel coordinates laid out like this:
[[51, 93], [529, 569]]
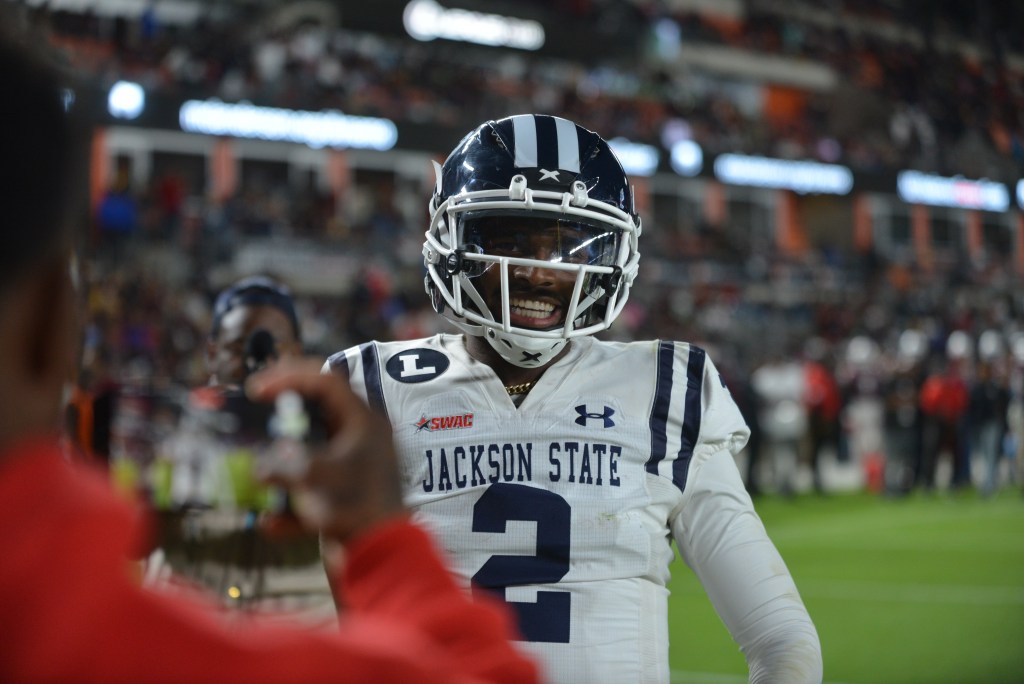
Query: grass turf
[[918, 590]]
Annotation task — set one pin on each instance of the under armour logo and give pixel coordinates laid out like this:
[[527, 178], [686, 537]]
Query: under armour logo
[[585, 415], [548, 175], [527, 356]]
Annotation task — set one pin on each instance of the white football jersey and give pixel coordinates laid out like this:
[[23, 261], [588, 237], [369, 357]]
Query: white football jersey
[[564, 507]]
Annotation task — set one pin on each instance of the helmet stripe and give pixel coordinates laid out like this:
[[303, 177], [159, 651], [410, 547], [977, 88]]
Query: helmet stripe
[[539, 138], [525, 131], [568, 145]]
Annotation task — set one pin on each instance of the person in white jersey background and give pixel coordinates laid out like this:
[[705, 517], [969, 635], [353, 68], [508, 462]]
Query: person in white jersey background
[[554, 468]]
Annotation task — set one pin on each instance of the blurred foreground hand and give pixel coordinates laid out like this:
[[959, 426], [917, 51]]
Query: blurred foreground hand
[[352, 482]]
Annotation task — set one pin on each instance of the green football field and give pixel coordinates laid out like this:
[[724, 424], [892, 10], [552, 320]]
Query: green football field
[[921, 590]]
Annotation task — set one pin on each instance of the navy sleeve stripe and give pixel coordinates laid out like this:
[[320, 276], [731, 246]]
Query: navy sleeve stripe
[[338, 363], [659, 412], [691, 419], [371, 375]]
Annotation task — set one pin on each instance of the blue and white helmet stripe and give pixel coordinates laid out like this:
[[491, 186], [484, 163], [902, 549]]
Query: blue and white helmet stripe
[[546, 142]]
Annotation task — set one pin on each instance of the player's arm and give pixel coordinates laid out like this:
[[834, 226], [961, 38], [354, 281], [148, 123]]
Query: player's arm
[[723, 540]]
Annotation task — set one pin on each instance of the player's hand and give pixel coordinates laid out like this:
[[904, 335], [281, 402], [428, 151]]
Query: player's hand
[[352, 482]]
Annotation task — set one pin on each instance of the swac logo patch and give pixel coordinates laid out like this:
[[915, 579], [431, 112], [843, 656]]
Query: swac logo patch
[[585, 415], [457, 422], [417, 365]]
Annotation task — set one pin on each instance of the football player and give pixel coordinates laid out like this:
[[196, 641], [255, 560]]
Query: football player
[[555, 468]]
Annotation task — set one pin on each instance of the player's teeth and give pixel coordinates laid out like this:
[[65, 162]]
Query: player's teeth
[[533, 309]]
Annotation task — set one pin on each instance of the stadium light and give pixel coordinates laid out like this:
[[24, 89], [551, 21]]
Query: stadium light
[[914, 187], [126, 100], [687, 158], [426, 20], [1020, 193], [315, 129], [784, 174], [637, 159]]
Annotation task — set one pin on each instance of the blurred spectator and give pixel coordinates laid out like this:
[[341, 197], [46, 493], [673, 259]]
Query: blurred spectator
[[780, 388], [823, 403], [117, 218], [987, 416], [944, 402], [860, 375], [902, 429]]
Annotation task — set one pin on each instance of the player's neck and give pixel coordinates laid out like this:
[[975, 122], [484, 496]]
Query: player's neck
[[508, 373]]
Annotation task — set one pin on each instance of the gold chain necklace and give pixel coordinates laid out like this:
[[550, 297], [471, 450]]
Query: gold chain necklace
[[521, 388]]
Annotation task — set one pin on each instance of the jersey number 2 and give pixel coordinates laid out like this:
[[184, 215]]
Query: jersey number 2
[[548, 618]]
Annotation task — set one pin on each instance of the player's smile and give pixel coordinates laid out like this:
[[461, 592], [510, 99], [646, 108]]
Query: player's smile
[[526, 312]]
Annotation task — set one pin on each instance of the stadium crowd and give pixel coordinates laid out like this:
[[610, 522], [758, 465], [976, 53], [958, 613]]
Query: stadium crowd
[[863, 343], [943, 96]]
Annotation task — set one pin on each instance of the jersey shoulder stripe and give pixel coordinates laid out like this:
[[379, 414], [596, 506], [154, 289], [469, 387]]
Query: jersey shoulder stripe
[[691, 416], [661, 422], [659, 411], [371, 374], [369, 367], [337, 363]]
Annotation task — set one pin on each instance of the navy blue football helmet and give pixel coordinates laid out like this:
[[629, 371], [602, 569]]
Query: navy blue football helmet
[[532, 170]]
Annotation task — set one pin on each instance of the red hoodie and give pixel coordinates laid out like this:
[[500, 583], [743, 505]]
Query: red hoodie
[[70, 610]]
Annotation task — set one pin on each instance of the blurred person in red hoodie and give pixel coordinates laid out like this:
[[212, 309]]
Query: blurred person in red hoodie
[[70, 607]]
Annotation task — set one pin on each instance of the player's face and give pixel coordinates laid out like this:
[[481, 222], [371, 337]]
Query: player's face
[[539, 297], [226, 353]]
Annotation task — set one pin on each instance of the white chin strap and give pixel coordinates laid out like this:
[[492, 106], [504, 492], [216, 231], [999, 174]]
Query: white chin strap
[[522, 351]]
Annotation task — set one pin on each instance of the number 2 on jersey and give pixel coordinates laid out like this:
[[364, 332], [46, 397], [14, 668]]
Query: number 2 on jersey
[[548, 618]]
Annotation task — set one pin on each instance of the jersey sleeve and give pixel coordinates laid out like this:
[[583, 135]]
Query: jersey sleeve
[[722, 424], [722, 539], [361, 367]]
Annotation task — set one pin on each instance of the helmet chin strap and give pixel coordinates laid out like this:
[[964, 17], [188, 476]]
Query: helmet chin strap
[[524, 352]]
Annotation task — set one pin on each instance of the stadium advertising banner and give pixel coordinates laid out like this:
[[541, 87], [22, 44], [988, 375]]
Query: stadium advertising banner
[[530, 27], [915, 187]]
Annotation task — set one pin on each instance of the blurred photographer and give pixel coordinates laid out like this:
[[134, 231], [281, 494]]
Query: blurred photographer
[[254, 325], [70, 609]]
